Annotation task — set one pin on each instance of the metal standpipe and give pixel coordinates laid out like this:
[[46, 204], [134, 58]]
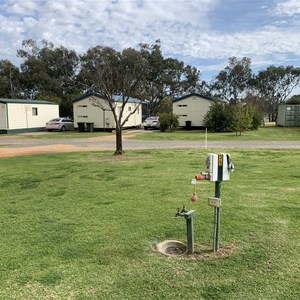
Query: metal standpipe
[[217, 218], [188, 215]]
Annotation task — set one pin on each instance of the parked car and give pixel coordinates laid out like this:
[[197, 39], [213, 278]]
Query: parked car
[[61, 124], [151, 122]]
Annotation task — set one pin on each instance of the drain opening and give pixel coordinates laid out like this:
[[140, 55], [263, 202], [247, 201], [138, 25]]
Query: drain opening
[[171, 248]]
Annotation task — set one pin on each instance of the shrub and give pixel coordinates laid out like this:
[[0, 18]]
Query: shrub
[[168, 122], [219, 116], [257, 116], [242, 118], [237, 117]]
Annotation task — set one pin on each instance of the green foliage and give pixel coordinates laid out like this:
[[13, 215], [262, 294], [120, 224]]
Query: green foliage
[[257, 116], [294, 100], [219, 116], [236, 117], [166, 105], [168, 122], [231, 82], [165, 77], [241, 118], [9, 80], [274, 85], [49, 72]]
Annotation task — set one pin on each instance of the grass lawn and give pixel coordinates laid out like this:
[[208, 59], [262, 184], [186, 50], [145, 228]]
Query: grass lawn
[[83, 226], [269, 133]]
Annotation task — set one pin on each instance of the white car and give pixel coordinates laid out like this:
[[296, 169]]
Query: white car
[[61, 124], [151, 122]]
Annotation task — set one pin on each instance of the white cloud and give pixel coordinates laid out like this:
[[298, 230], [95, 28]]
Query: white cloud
[[288, 7], [183, 26]]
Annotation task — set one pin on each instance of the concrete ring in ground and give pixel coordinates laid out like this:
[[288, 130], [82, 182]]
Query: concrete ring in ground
[[171, 248]]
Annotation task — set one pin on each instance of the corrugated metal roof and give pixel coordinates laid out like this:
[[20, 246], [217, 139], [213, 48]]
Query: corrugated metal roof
[[116, 98], [26, 101], [190, 95]]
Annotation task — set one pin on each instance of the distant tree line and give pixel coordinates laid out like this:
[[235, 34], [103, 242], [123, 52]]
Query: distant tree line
[[265, 90], [60, 74]]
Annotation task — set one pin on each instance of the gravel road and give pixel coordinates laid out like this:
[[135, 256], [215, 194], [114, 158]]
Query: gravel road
[[22, 144]]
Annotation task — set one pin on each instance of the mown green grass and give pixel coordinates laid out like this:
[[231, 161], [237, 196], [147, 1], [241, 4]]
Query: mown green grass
[[271, 133], [268, 133], [83, 226]]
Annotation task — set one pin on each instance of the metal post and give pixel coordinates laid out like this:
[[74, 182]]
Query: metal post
[[188, 215], [217, 218], [190, 235]]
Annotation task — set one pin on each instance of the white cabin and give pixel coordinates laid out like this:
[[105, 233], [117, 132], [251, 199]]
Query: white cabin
[[101, 116], [21, 115], [191, 109]]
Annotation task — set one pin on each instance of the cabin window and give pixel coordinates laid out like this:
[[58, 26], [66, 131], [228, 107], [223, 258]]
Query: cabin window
[[34, 111], [82, 116], [81, 105], [182, 105], [129, 108]]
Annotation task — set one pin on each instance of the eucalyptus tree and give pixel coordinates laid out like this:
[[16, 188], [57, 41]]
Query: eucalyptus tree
[[233, 81], [111, 73], [274, 85], [167, 77], [48, 72], [9, 80]]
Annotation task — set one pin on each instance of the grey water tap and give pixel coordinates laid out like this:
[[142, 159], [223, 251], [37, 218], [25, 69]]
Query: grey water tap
[[178, 212], [188, 215], [181, 213]]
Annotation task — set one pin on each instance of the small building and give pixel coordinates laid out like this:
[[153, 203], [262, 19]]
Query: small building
[[85, 111], [191, 109], [288, 115], [21, 115]]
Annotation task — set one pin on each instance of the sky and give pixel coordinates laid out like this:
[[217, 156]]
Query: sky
[[202, 33]]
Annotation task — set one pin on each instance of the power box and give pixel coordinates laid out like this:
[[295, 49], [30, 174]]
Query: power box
[[219, 166]]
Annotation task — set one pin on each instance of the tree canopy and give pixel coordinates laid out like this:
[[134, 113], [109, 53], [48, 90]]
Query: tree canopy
[[9, 80], [165, 77], [274, 85], [233, 80]]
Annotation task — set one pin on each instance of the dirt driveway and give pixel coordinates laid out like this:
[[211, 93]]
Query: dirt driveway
[[21, 144]]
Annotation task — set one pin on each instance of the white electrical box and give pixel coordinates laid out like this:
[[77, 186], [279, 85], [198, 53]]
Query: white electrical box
[[219, 166]]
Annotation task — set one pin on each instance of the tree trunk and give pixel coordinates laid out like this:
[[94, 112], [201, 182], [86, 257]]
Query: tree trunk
[[119, 143]]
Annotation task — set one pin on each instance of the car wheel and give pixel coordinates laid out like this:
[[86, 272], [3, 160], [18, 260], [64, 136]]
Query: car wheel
[[49, 130], [63, 128], [145, 127]]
